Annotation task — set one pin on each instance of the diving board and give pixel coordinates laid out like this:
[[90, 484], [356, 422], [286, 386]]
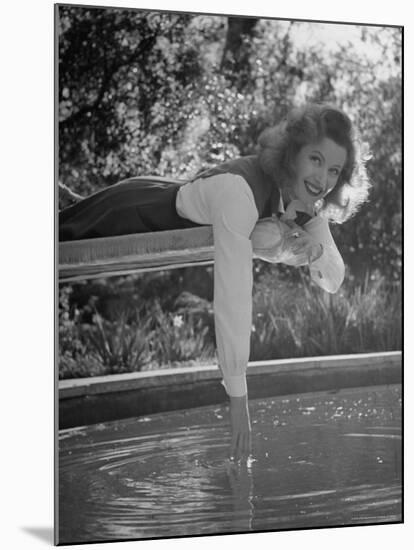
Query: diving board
[[126, 254]]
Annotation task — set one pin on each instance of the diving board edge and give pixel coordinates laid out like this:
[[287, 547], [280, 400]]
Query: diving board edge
[[126, 254]]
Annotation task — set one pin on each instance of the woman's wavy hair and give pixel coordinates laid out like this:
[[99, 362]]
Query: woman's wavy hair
[[279, 145]]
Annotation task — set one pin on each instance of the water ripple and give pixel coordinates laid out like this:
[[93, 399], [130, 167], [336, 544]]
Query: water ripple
[[338, 464]]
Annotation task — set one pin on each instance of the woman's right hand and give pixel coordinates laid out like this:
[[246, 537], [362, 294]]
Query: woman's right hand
[[302, 244], [240, 446]]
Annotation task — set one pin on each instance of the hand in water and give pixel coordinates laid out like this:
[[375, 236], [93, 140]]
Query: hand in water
[[240, 446]]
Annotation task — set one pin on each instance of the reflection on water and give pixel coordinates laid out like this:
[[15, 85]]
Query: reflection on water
[[318, 460]]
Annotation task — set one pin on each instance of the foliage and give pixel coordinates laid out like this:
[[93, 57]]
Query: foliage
[[75, 358], [150, 92], [179, 338], [120, 347], [301, 320], [69, 339], [172, 93], [290, 319], [134, 333]]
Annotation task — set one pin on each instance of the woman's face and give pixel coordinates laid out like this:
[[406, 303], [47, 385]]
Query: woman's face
[[317, 168]]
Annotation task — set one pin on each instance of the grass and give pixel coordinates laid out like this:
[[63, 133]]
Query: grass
[[303, 321], [290, 319]]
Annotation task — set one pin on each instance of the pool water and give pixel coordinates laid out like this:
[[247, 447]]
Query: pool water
[[318, 459]]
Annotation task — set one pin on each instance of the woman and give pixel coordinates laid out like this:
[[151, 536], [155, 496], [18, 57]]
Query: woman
[[277, 204]]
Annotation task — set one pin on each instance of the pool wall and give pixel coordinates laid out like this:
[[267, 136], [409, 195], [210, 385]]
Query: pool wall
[[84, 401]]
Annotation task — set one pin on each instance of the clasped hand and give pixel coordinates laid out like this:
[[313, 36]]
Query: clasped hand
[[301, 243]]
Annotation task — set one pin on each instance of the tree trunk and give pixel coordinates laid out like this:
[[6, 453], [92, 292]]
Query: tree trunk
[[235, 59]]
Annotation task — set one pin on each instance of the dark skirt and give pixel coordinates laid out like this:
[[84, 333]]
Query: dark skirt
[[135, 205]]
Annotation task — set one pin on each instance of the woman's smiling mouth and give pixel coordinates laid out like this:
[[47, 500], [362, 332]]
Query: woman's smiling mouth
[[312, 188]]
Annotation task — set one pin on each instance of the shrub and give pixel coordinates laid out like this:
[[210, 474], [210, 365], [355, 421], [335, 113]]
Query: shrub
[[292, 317], [120, 347], [298, 320], [179, 337]]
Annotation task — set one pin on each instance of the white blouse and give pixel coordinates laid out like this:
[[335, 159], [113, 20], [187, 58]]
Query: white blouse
[[226, 202]]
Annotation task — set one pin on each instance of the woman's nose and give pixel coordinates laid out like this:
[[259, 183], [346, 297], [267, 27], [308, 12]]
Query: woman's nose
[[321, 175]]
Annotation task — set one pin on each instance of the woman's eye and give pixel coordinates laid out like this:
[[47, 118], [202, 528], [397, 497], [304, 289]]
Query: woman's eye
[[335, 172], [315, 159]]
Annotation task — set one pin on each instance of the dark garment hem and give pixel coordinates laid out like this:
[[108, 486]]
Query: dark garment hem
[[135, 205]]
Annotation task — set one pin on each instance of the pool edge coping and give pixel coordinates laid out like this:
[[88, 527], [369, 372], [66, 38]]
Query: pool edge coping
[[82, 387]]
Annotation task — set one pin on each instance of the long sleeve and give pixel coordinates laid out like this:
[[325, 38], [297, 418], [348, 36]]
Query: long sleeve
[[328, 271], [226, 202]]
